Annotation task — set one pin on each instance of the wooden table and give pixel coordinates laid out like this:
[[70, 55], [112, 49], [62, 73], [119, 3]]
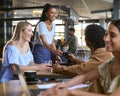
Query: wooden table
[[48, 74], [44, 74], [13, 88]]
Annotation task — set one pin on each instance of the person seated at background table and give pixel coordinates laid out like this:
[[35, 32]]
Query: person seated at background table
[[94, 40], [109, 70], [17, 51], [72, 41]]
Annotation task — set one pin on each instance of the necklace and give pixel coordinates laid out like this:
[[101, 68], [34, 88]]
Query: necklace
[[49, 27], [23, 48]]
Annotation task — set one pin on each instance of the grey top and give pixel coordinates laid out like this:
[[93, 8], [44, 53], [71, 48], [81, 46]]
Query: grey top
[[73, 44]]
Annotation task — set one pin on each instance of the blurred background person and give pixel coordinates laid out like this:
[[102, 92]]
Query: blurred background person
[[72, 41]]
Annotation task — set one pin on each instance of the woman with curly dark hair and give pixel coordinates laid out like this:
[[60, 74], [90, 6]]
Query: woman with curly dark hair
[[109, 70]]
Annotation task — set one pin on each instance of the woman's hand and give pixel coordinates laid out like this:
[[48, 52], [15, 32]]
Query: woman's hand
[[44, 67], [55, 91], [72, 57], [58, 58], [58, 52]]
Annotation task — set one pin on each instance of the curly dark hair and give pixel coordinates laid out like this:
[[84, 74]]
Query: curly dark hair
[[94, 34]]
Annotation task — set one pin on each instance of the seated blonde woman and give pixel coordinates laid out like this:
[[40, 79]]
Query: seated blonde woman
[[17, 51]]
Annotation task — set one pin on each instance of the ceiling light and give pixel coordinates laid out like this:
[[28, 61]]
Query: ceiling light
[[15, 12], [37, 11]]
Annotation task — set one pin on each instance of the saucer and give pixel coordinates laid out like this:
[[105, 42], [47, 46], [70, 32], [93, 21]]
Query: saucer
[[33, 82], [66, 63]]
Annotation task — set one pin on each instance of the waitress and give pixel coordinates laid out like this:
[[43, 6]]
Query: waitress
[[45, 45]]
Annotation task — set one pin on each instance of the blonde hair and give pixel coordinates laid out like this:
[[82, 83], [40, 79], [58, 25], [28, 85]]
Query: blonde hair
[[20, 27]]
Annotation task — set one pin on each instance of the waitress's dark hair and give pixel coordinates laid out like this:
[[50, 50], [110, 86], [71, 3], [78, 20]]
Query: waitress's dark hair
[[116, 23], [94, 34], [46, 7]]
